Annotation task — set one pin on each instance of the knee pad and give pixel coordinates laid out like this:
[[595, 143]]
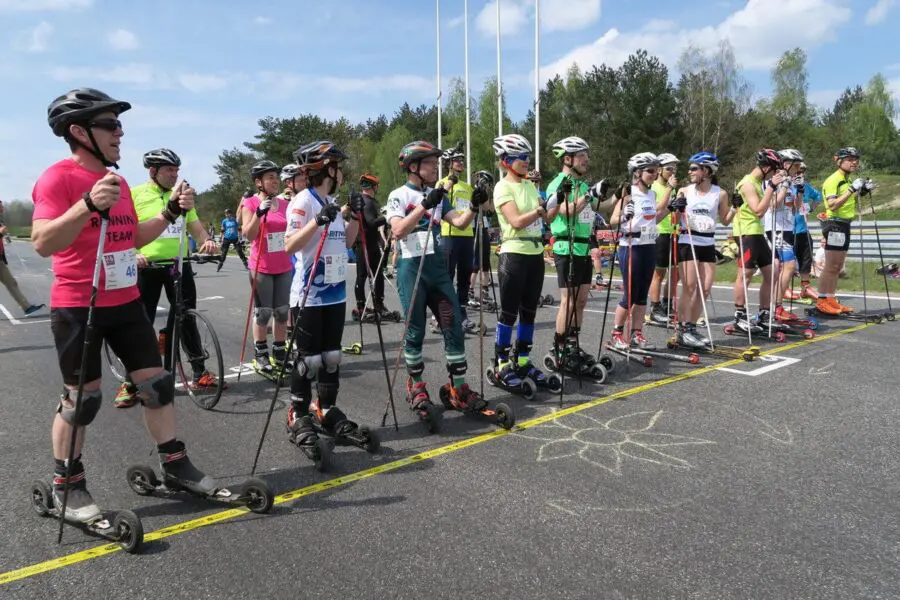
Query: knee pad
[[90, 406], [308, 366], [457, 369], [157, 391], [281, 314], [331, 360], [263, 314]]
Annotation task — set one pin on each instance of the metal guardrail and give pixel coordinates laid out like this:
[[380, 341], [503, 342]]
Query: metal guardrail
[[888, 231]]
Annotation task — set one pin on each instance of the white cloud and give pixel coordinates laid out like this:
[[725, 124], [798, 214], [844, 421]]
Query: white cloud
[[198, 82], [144, 76], [877, 13], [42, 5], [281, 85], [757, 45], [262, 20], [37, 39], [556, 15], [456, 21], [122, 39]]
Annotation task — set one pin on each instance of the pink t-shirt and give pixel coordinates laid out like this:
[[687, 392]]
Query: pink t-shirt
[[274, 260], [57, 189]]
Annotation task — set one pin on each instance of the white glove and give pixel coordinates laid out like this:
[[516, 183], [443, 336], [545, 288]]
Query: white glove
[[870, 185], [628, 211], [857, 185], [799, 180], [264, 206]]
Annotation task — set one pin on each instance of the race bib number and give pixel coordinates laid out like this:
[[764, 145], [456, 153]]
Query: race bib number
[[586, 216], [649, 233], [335, 268], [836, 238], [804, 209], [534, 228], [416, 244], [462, 205], [175, 230], [120, 269], [275, 241], [701, 223]]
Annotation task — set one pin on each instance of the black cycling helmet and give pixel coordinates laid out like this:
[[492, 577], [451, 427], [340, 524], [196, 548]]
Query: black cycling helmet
[[263, 167], [317, 155], [78, 107], [848, 152], [161, 157]]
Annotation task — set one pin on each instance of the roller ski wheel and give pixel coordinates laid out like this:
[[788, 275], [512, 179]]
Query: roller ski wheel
[[253, 493], [527, 388], [364, 437], [501, 415], [355, 349], [554, 383], [124, 528], [607, 362], [345, 432]]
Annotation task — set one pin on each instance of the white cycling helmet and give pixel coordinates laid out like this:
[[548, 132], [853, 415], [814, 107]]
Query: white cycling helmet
[[289, 171], [642, 161], [570, 145], [511, 144], [790, 155], [667, 159]]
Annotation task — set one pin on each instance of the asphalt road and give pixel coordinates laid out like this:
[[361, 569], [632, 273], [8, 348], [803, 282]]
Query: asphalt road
[[776, 478]]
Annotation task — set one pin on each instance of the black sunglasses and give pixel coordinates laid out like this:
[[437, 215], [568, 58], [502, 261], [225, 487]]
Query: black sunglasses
[[106, 124], [693, 168]]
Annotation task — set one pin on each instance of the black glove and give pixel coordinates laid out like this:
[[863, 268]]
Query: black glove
[[479, 196], [736, 200], [563, 191], [434, 197], [600, 189], [678, 203], [453, 178], [173, 207], [327, 215], [357, 203]]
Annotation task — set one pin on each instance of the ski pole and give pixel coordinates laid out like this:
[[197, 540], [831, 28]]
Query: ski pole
[[862, 252], [612, 272], [887, 290], [479, 228], [686, 225], [291, 344], [743, 272], [673, 247], [260, 234], [82, 372], [387, 378]]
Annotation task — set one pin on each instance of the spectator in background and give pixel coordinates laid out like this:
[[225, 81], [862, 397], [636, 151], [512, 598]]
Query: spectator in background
[[6, 276]]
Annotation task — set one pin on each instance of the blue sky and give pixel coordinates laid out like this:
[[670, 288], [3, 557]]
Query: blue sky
[[200, 73]]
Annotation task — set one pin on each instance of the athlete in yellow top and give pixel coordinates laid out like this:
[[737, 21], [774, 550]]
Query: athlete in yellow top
[[666, 182]]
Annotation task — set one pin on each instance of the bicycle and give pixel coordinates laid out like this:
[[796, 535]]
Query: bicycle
[[205, 397]]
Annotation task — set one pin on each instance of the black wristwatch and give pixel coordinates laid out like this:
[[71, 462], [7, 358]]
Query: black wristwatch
[[90, 203]]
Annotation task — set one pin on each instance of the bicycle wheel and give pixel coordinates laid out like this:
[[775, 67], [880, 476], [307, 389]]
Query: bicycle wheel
[[210, 353], [115, 364]]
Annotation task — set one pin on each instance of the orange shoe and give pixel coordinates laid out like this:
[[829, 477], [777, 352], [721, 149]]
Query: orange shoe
[[808, 292], [785, 316], [207, 380], [844, 309], [828, 306]]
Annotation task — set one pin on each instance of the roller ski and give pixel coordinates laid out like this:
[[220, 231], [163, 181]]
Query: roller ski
[[469, 402], [780, 331], [688, 341], [369, 317], [355, 348], [121, 527], [333, 423], [179, 477], [573, 361], [302, 432], [522, 381], [748, 354], [826, 312], [794, 321], [420, 402], [547, 300], [630, 354], [267, 368]]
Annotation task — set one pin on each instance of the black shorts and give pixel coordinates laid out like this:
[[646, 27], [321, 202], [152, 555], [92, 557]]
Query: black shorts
[[483, 246], [705, 254], [757, 253], [582, 269], [125, 328], [837, 235], [803, 252], [663, 251], [320, 328]]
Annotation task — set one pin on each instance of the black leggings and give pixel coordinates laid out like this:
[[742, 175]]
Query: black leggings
[[318, 330], [362, 274], [458, 254], [642, 264], [238, 246], [151, 282], [521, 281]]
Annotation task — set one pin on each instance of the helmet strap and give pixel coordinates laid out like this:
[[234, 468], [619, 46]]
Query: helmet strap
[[94, 149]]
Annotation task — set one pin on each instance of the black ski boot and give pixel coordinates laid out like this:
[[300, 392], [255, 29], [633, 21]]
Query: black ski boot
[[301, 432], [80, 507], [420, 402], [333, 422]]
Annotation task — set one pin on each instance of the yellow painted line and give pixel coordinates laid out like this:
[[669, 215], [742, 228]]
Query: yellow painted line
[[218, 517]]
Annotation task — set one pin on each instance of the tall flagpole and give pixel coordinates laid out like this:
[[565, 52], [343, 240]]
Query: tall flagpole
[[468, 103], [440, 102], [499, 85], [537, 84]]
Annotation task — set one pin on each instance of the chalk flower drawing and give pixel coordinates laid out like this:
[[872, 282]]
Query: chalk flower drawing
[[606, 444]]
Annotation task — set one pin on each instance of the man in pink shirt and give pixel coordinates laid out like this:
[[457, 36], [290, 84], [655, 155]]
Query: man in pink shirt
[[70, 199]]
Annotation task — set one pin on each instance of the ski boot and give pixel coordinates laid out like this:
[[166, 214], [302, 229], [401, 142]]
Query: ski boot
[[334, 423], [657, 316], [598, 282], [575, 362], [388, 315], [120, 527], [467, 401], [469, 326], [551, 382], [507, 378], [180, 476], [741, 325], [357, 314], [262, 365], [435, 326], [619, 345], [302, 433], [689, 337], [279, 359], [420, 402], [640, 342]]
